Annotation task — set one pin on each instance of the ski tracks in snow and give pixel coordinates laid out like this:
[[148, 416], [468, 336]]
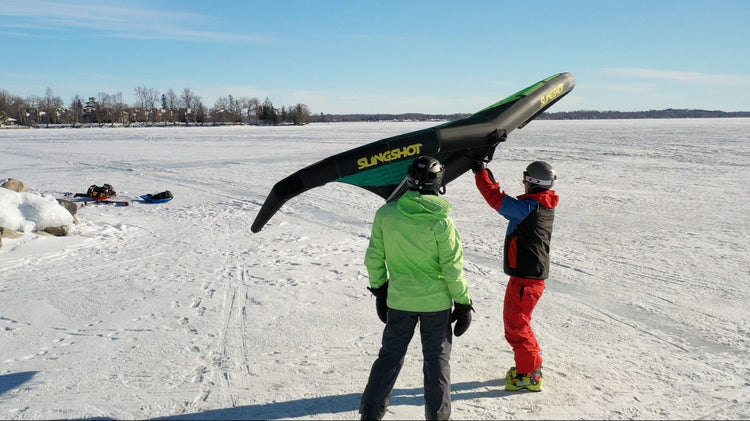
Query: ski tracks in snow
[[225, 370], [259, 309]]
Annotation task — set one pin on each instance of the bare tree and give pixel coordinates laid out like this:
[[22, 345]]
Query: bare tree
[[190, 102], [140, 97], [51, 104], [300, 114], [220, 112], [152, 98], [187, 99], [104, 112], [250, 109], [34, 114], [222, 103], [118, 107], [13, 106], [171, 98], [4, 105], [45, 106], [170, 102], [235, 107], [76, 107], [147, 98], [200, 115]]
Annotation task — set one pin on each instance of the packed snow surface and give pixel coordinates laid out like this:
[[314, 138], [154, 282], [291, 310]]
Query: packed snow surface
[[177, 310]]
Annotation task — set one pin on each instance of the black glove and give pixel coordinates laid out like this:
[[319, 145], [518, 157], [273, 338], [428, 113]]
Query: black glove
[[462, 316], [381, 301], [478, 165], [492, 176]]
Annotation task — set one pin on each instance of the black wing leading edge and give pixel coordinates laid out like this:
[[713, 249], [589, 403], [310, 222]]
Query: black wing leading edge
[[381, 166]]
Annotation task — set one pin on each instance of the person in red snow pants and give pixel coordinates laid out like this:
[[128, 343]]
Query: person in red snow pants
[[521, 296], [525, 257]]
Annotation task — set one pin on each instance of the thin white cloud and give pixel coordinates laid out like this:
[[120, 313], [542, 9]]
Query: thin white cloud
[[628, 88], [121, 21], [684, 77], [337, 102]]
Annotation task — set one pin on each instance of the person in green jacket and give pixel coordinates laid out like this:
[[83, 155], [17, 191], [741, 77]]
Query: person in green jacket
[[415, 264]]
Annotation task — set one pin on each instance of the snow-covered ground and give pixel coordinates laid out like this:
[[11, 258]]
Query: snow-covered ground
[[177, 311]]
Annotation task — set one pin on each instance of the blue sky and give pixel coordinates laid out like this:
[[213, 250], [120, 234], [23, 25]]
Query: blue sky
[[385, 56]]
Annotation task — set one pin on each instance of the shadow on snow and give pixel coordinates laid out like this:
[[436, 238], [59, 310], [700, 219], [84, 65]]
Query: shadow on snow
[[11, 381], [342, 403]]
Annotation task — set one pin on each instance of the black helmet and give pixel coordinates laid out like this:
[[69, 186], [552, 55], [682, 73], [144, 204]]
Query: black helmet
[[425, 175], [540, 175]]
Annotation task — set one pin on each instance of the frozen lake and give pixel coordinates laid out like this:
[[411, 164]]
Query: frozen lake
[[177, 310]]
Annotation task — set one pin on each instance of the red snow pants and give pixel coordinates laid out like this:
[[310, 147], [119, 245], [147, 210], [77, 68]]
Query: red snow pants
[[521, 296]]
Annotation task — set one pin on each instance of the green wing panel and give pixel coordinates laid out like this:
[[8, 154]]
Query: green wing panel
[[381, 166]]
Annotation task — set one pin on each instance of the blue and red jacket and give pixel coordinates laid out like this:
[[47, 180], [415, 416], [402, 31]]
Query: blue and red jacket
[[530, 216]]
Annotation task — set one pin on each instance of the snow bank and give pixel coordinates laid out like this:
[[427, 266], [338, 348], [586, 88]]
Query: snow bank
[[26, 212]]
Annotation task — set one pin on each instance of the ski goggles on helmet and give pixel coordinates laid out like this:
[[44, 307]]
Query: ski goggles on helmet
[[534, 180]]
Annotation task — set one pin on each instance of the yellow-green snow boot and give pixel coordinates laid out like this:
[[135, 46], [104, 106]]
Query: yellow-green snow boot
[[517, 381]]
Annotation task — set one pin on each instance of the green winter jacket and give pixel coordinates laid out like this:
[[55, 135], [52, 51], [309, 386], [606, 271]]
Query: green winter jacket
[[416, 247]]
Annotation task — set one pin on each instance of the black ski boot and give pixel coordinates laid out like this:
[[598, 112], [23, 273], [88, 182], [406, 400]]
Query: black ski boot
[[371, 412]]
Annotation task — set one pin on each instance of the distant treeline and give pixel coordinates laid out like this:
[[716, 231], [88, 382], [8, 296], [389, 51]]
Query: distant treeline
[[151, 108], [668, 113], [331, 118], [564, 115]]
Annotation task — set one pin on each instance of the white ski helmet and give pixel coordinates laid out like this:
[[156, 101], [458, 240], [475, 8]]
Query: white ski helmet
[[540, 175]]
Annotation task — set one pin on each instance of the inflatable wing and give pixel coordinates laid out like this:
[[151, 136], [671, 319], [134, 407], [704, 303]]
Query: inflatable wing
[[381, 166]]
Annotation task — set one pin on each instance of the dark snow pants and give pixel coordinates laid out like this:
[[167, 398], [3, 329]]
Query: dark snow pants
[[437, 339]]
